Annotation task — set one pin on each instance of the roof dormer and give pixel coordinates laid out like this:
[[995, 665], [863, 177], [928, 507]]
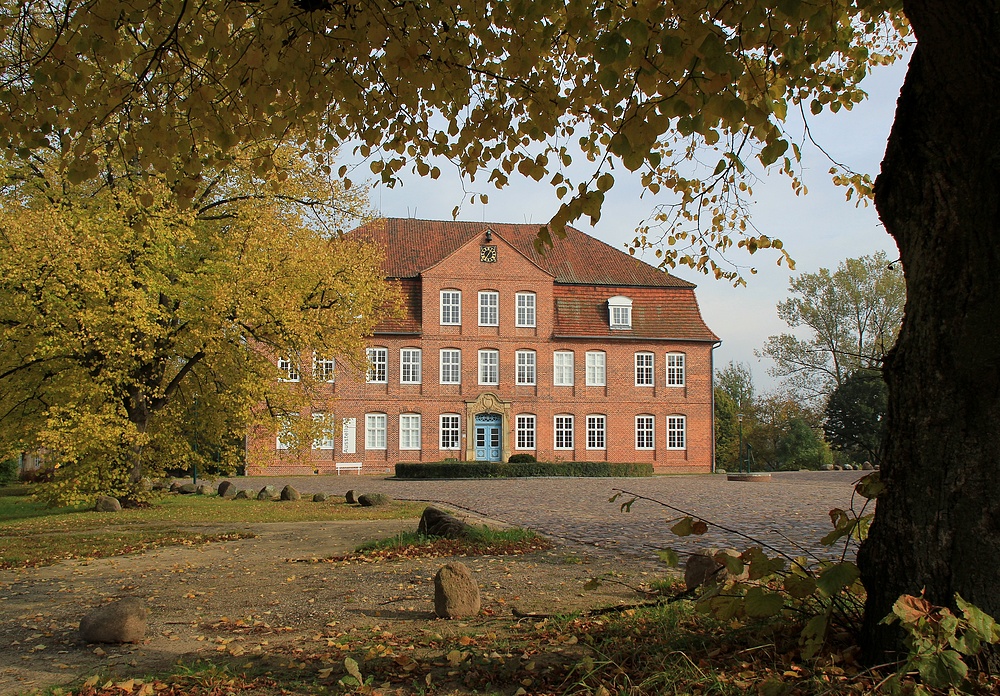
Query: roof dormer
[[620, 312]]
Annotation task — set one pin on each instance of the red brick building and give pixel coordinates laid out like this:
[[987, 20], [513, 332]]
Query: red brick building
[[581, 354]]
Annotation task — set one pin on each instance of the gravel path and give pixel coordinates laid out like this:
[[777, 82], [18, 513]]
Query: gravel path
[[789, 513]]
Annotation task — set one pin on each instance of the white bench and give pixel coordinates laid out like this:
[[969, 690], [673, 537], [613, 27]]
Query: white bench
[[348, 466]]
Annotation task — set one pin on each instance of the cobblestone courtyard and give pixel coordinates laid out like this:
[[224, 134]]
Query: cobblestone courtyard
[[790, 512]]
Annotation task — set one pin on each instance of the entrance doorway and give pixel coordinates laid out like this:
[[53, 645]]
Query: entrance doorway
[[488, 437]]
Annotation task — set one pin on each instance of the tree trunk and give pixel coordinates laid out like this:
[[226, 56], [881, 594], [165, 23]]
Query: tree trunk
[[937, 528]]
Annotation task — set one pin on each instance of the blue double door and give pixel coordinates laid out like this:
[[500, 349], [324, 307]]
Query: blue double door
[[487, 436]]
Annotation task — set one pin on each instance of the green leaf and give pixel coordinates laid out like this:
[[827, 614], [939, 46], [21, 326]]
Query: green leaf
[[836, 577], [685, 527], [982, 624], [813, 635], [761, 604], [942, 669], [870, 486], [725, 607], [734, 564], [799, 586], [669, 556]]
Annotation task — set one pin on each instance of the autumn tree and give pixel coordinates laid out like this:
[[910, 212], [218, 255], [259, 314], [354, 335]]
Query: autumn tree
[[139, 335], [846, 320], [855, 416], [656, 88], [727, 440]]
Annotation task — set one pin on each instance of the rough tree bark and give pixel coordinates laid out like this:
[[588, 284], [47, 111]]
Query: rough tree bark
[[937, 527]]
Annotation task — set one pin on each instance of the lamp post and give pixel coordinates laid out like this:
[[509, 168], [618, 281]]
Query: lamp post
[[739, 418]]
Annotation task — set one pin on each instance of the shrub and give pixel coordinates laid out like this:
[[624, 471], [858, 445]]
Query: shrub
[[43, 475], [8, 471], [466, 470], [524, 458]]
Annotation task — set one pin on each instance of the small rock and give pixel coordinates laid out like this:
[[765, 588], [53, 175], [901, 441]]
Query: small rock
[[456, 594], [867, 466], [227, 489], [188, 489], [707, 566], [123, 621], [351, 497], [266, 493], [319, 497], [434, 522], [204, 489], [242, 495], [827, 467], [374, 500], [289, 493], [105, 503], [174, 487]]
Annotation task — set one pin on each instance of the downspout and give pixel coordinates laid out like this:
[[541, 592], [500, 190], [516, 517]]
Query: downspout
[[711, 384]]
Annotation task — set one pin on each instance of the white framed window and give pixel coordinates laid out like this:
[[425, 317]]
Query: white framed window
[[378, 363], [325, 439], [489, 308], [597, 428], [489, 367], [409, 431], [323, 369], [286, 437], [451, 366], [288, 370], [450, 431], [409, 366], [562, 372], [620, 312], [525, 366], [451, 307], [676, 432], [375, 431], [643, 369], [525, 431], [675, 369], [644, 434], [564, 432], [596, 368], [525, 306]]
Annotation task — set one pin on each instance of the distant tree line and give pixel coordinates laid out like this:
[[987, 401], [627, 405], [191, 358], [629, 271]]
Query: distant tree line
[[831, 405]]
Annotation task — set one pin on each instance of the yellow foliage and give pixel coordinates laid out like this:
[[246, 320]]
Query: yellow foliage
[[139, 333], [496, 87]]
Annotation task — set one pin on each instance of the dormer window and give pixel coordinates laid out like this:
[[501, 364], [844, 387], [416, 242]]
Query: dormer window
[[620, 312]]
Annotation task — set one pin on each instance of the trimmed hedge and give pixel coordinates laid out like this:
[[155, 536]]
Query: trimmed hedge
[[460, 470]]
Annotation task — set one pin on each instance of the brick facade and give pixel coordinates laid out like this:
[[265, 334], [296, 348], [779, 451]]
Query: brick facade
[[571, 318]]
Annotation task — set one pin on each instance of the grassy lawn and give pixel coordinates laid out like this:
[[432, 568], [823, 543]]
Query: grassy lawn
[[32, 534]]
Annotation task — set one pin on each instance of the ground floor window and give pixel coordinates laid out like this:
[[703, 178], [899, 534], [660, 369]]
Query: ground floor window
[[644, 438], [596, 432], [450, 431], [564, 432], [325, 439], [409, 431], [286, 436], [375, 431], [676, 432], [525, 437]]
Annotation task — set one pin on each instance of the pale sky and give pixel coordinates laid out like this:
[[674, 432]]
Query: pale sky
[[819, 229]]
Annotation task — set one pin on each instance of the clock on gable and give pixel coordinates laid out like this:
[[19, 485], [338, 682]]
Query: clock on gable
[[488, 253]]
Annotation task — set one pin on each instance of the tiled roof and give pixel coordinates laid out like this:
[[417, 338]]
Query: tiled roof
[[414, 245], [656, 313]]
